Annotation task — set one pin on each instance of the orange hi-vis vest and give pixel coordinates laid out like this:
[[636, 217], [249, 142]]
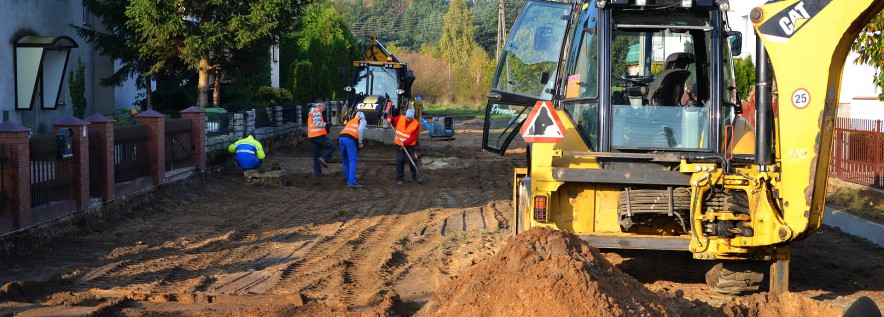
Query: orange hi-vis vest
[[405, 130], [352, 128], [312, 129]]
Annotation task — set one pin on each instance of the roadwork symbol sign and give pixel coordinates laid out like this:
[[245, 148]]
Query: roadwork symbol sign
[[543, 125]]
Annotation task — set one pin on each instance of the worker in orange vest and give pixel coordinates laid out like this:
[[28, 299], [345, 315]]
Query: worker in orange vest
[[319, 140], [407, 130], [350, 140]]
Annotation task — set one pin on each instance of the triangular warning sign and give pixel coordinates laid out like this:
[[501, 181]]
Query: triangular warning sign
[[543, 125]]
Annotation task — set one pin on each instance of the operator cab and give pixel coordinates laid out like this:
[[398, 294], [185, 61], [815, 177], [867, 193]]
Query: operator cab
[[377, 85], [632, 76]]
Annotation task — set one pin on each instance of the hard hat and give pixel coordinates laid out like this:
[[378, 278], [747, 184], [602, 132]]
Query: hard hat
[[418, 98], [409, 113]]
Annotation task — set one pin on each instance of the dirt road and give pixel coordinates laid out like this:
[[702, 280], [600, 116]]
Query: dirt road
[[218, 247]]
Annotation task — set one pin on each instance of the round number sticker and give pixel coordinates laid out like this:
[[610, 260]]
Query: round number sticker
[[800, 98]]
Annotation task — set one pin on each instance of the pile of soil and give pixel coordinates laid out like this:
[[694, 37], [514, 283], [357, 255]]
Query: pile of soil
[[549, 273], [773, 305]]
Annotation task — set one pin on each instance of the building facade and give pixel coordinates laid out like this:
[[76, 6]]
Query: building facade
[[858, 97], [27, 62]]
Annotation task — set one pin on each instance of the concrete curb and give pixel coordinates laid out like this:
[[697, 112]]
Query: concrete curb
[[854, 225]]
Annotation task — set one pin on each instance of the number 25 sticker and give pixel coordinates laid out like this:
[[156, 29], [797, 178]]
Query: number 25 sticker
[[800, 98]]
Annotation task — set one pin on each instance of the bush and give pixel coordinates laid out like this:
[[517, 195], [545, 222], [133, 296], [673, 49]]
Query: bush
[[272, 95], [302, 81], [172, 100]]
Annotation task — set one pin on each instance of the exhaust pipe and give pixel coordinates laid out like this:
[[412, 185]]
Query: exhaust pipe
[[763, 105]]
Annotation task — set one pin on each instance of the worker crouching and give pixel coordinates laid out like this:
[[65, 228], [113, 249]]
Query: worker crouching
[[350, 140], [407, 130], [248, 153]]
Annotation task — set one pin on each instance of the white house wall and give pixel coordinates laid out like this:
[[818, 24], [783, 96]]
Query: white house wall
[[53, 18], [856, 82]]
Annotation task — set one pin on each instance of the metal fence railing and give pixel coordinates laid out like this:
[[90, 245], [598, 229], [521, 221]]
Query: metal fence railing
[[178, 144], [263, 118], [50, 175], [130, 153], [218, 124], [858, 156], [291, 114]]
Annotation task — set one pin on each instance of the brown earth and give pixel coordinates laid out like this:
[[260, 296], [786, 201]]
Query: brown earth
[[214, 246], [787, 304], [545, 272]]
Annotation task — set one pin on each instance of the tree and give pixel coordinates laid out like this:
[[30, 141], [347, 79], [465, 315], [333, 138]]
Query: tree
[[325, 40], [458, 33], [77, 86], [120, 42], [744, 73], [302, 81], [870, 47], [202, 31]]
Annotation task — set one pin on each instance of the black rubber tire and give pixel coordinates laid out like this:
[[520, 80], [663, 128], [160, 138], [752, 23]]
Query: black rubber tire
[[735, 277]]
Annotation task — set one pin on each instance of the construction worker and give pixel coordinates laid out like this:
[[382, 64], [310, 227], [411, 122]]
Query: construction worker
[[319, 140], [350, 140], [249, 153], [407, 131]]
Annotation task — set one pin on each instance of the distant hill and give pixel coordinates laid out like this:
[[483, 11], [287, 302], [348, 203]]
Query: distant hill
[[412, 24]]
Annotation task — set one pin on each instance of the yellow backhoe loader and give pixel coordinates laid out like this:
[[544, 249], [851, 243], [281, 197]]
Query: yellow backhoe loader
[[652, 152], [381, 84]]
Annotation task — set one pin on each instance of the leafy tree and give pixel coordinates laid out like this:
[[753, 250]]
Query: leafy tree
[[870, 47], [458, 33], [121, 42], [325, 40], [744, 71], [202, 31], [77, 86]]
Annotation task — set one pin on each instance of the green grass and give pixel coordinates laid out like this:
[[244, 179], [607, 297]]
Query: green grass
[[435, 109], [865, 203]]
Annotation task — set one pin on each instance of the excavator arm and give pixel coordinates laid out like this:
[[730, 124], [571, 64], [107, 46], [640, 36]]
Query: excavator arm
[[377, 52], [807, 42]]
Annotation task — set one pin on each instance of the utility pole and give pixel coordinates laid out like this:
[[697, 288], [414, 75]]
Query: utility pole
[[501, 29]]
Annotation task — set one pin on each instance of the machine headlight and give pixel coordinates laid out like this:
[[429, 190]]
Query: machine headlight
[[686, 3], [348, 89], [400, 91]]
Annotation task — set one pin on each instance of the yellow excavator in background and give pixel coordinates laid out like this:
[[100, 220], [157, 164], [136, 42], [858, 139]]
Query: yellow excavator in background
[[381, 84], [649, 151]]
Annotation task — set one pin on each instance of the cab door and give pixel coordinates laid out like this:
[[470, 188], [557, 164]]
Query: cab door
[[526, 71]]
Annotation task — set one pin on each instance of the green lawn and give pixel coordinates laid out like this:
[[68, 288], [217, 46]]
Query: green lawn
[[462, 111]]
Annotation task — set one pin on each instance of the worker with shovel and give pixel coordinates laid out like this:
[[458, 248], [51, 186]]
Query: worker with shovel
[[407, 130]]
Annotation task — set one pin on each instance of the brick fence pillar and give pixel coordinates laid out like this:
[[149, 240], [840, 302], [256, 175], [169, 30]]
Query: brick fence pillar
[[79, 167], [104, 127], [17, 172], [197, 135], [156, 124]]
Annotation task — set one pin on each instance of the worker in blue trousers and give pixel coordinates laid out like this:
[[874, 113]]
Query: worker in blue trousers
[[350, 140], [248, 153]]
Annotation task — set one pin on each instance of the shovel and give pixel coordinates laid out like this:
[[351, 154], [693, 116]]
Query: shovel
[[416, 169]]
